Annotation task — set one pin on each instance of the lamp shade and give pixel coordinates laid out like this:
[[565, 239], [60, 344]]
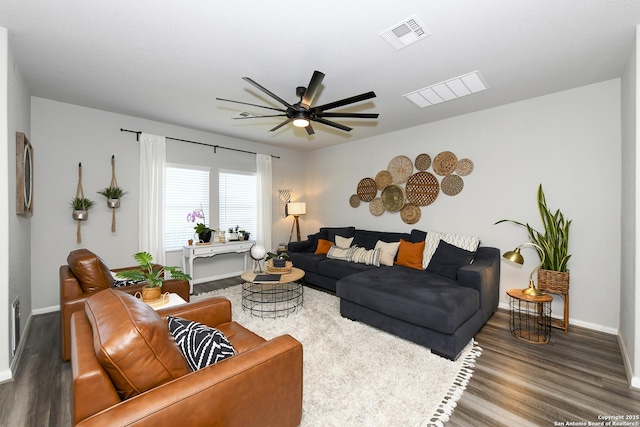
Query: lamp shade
[[296, 208], [514, 256]]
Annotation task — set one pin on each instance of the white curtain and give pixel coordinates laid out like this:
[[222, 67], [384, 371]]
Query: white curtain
[[151, 205], [263, 232]]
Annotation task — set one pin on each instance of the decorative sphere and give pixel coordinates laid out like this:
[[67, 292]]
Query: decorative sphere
[[258, 252]]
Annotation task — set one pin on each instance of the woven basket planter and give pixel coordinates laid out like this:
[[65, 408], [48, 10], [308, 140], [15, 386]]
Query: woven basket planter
[[553, 281]]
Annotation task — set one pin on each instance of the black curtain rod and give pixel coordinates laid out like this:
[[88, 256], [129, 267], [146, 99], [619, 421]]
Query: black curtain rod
[[215, 147]]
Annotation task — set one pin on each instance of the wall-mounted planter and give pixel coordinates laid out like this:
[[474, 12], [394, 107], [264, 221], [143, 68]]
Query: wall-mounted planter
[[80, 215]]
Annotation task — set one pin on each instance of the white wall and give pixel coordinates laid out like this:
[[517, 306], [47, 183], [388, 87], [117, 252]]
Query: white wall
[[568, 141], [66, 134], [630, 296]]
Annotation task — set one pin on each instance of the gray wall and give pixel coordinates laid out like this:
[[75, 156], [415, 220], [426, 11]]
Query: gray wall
[[66, 134]]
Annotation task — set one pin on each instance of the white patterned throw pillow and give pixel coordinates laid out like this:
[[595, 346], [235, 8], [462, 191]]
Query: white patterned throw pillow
[[344, 254], [469, 243], [364, 256]]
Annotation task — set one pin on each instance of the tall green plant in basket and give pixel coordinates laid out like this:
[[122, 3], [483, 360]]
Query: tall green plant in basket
[[554, 241]]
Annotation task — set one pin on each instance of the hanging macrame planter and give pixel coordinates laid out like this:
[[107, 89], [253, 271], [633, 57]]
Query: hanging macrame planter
[[80, 205], [113, 193]]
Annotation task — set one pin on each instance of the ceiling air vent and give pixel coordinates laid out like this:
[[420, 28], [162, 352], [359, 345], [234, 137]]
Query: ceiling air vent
[[404, 33], [447, 90]]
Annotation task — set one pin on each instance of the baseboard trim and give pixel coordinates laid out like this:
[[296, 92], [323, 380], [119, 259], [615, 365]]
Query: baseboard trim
[[576, 322], [218, 277], [634, 382], [45, 310], [6, 376], [18, 356]]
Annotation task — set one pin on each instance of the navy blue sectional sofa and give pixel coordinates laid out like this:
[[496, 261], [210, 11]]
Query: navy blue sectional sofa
[[435, 311]]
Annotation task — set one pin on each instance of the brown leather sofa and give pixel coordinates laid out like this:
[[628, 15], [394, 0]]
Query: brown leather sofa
[[128, 370], [86, 274]]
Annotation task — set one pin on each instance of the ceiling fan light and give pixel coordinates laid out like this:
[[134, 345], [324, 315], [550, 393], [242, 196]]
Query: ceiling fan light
[[300, 120]]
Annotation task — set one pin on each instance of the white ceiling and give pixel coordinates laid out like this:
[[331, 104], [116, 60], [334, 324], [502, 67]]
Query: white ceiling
[[168, 60]]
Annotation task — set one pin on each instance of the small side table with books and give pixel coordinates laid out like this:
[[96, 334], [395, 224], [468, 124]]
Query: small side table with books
[[272, 295]]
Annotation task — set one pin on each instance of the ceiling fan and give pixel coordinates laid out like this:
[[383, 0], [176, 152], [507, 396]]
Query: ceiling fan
[[302, 113]]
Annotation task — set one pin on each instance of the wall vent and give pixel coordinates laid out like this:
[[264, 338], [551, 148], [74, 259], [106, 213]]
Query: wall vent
[[406, 32], [15, 326]]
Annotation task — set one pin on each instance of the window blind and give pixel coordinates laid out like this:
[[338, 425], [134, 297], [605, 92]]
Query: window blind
[[238, 201], [186, 189]]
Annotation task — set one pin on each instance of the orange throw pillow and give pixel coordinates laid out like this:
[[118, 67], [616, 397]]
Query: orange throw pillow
[[410, 254], [323, 246]]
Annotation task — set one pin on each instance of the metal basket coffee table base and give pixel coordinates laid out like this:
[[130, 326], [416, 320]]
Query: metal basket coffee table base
[[272, 300]]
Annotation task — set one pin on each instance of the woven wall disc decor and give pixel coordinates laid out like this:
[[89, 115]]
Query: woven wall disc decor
[[422, 188], [445, 163], [400, 168], [465, 167], [452, 185], [410, 213], [423, 161], [393, 198], [367, 189], [354, 201], [375, 207], [383, 178]]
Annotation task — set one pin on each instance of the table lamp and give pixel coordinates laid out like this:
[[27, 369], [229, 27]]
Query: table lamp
[[296, 209], [515, 256]]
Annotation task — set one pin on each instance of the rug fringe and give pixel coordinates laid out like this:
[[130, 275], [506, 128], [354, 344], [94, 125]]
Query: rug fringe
[[450, 401]]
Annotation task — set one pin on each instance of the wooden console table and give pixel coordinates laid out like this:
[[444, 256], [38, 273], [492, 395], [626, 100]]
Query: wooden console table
[[189, 253]]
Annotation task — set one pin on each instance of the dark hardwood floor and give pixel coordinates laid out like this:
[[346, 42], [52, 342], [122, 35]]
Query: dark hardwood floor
[[575, 378]]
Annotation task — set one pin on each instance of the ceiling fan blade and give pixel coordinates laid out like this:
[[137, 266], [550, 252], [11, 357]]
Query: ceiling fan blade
[[268, 92], [253, 105], [258, 117], [280, 125], [309, 129], [353, 115], [333, 124], [312, 89], [346, 101]]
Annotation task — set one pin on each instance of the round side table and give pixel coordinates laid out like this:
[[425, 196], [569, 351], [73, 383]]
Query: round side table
[[530, 316], [271, 300]]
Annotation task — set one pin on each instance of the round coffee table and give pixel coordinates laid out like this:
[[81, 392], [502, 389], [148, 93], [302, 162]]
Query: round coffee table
[[271, 300]]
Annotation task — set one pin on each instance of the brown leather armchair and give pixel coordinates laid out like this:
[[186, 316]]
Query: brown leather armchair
[[86, 274], [121, 347]]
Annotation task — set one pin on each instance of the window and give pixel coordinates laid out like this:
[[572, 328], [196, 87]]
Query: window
[[238, 201], [186, 189]]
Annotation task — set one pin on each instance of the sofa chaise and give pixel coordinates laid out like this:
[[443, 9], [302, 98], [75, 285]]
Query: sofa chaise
[[441, 305]]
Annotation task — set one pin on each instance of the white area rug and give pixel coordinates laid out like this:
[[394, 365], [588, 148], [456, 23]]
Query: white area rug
[[356, 375]]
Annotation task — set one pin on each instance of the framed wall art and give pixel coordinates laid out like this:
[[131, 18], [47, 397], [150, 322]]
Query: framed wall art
[[24, 175]]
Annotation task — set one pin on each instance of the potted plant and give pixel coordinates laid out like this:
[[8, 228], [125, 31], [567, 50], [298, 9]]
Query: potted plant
[[81, 207], [201, 229], [151, 273], [280, 260], [113, 195], [553, 274]]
